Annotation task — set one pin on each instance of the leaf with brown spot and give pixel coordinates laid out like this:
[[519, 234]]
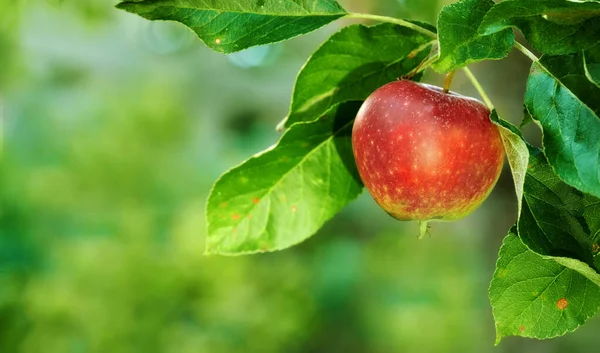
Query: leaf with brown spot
[[539, 297], [286, 200]]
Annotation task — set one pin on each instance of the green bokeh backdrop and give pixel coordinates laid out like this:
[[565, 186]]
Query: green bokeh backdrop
[[114, 129]]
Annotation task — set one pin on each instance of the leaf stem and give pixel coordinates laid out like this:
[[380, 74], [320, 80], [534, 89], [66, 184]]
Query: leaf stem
[[478, 87], [416, 51], [525, 51], [397, 21], [425, 64]]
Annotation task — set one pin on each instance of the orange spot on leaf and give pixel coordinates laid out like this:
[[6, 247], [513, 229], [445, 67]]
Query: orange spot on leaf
[[235, 216], [223, 204], [294, 208], [249, 216], [562, 303], [255, 200], [521, 328]]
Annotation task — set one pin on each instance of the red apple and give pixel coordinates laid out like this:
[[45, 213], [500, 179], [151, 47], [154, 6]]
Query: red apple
[[425, 154]]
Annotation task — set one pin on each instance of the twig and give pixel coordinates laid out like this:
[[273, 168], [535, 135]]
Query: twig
[[393, 20]]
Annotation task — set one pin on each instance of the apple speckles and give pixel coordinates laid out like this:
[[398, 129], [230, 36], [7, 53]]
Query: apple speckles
[[428, 148]]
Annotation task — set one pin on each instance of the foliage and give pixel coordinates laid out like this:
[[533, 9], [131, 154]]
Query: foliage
[[352, 64], [547, 280]]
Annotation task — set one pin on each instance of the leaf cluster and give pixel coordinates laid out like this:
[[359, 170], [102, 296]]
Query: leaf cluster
[[547, 279]]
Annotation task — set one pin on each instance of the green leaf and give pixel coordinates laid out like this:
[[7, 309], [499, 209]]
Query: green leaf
[[353, 63], [539, 297], [551, 221], [550, 26], [571, 129], [570, 71], [231, 25], [516, 153], [460, 44], [283, 195]]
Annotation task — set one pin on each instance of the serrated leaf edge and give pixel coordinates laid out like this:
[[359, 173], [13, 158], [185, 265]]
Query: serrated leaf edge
[[499, 337]]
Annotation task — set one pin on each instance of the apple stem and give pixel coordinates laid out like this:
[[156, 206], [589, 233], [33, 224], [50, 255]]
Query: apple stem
[[423, 229], [479, 88], [448, 82]]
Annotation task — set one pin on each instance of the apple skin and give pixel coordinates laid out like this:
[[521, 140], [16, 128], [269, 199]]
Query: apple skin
[[424, 154]]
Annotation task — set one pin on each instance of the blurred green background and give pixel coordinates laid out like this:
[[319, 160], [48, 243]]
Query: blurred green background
[[114, 129]]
